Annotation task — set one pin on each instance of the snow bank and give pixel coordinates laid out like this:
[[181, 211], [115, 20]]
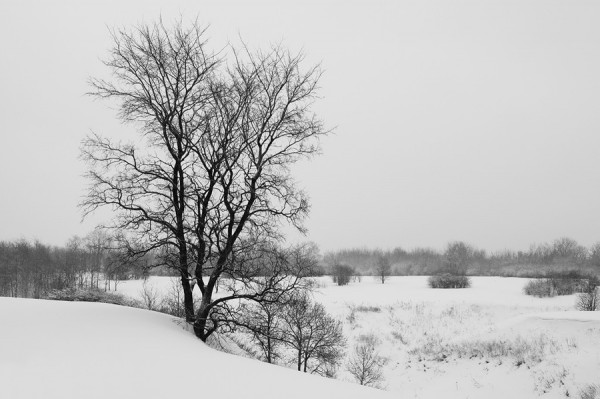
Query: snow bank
[[77, 350]]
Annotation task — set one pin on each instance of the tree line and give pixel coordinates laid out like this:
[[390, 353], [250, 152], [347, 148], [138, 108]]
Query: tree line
[[34, 269], [560, 256]]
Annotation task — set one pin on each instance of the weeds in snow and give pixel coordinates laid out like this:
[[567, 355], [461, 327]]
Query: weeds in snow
[[522, 351], [368, 308], [590, 391], [547, 379]]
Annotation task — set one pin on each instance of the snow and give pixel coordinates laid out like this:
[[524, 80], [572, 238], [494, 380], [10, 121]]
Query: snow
[[73, 350], [64, 350], [562, 345]]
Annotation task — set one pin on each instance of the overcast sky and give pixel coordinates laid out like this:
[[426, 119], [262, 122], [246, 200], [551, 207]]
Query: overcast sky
[[471, 120]]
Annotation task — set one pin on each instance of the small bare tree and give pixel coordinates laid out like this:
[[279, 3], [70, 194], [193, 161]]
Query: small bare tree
[[366, 363], [172, 301], [383, 268], [150, 296], [589, 299], [263, 321], [315, 336]]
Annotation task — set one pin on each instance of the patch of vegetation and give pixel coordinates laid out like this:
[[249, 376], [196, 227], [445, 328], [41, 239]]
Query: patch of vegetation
[[448, 280], [368, 308], [342, 274], [90, 295], [540, 288], [589, 299], [520, 350], [590, 391], [556, 284]]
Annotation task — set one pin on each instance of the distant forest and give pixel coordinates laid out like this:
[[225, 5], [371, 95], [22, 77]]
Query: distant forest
[[32, 269], [564, 255]]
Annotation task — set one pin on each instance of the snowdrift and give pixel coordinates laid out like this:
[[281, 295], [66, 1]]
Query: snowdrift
[[64, 350]]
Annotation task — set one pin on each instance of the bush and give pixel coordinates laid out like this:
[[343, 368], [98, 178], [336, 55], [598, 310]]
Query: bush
[[342, 274], [588, 300], [447, 280], [150, 296], [556, 284], [540, 288], [368, 308], [91, 295]]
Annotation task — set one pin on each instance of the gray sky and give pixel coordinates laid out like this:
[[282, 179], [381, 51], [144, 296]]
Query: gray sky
[[455, 120]]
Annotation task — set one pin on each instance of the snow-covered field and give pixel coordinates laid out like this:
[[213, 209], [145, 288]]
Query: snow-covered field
[[488, 341], [76, 350]]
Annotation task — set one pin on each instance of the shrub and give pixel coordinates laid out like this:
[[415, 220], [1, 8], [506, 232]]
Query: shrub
[[556, 284], [539, 287], [91, 295], [342, 274], [368, 308], [448, 280], [588, 300], [150, 296]]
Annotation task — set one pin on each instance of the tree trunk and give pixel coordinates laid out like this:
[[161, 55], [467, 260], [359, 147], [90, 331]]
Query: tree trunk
[[202, 315], [305, 362], [188, 298], [269, 359]]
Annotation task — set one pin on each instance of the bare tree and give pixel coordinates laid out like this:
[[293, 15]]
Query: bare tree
[[262, 274], [212, 181], [366, 363], [589, 299], [97, 244], [261, 124], [150, 296], [160, 78], [458, 256], [315, 336], [383, 268], [263, 321], [263, 318], [594, 257]]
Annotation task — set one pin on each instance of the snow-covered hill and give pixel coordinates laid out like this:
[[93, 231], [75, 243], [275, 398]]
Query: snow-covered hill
[[76, 350]]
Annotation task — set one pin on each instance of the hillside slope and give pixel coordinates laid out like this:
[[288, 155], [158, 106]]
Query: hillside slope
[[64, 350]]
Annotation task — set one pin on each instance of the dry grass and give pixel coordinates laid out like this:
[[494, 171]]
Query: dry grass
[[591, 391], [519, 350]]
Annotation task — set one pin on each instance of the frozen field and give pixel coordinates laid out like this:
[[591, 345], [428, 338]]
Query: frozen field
[[488, 341]]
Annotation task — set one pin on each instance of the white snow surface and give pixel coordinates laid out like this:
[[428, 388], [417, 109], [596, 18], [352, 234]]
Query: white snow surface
[[76, 350], [561, 346], [82, 350]]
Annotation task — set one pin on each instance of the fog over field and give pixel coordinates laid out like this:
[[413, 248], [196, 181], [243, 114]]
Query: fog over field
[[330, 198]]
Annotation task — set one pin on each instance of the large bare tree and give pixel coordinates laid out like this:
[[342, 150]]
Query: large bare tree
[[211, 178], [160, 79]]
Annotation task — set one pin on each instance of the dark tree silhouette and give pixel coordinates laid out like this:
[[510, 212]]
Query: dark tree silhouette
[[315, 336], [383, 268], [208, 182], [161, 80]]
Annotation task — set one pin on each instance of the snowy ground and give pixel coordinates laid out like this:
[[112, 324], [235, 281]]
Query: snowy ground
[[75, 350], [488, 341]]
